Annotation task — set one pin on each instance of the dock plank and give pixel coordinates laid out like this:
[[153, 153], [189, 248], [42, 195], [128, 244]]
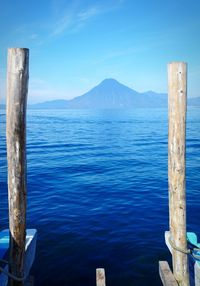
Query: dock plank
[[166, 275]]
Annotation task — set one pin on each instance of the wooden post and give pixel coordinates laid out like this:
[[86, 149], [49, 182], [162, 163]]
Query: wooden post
[[17, 88], [177, 73], [100, 277]]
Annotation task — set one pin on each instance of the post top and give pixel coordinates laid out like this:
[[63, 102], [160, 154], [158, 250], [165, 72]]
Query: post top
[[18, 59], [18, 49], [177, 63]]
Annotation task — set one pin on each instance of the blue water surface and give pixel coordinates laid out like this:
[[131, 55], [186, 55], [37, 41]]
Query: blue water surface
[[97, 193]]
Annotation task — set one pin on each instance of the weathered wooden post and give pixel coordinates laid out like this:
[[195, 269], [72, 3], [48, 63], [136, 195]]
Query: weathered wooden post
[[100, 277], [17, 89], [177, 102]]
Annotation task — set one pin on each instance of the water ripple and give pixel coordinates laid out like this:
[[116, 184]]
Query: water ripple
[[97, 193]]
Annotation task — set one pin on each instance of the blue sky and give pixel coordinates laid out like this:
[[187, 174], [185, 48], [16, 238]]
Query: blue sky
[[74, 45]]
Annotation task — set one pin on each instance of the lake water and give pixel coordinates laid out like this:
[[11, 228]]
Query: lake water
[[97, 193]]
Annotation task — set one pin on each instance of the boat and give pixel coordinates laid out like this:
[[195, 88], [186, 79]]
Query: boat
[[30, 249]]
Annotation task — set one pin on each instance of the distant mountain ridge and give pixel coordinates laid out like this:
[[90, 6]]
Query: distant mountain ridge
[[111, 94]]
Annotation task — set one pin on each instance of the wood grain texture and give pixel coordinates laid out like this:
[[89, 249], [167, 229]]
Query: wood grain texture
[[177, 101], [166, 275], [100, 277], [17, 89]]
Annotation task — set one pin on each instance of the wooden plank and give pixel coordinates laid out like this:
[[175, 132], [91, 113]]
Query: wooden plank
[[17, 87], [166, 275], [100, 277], [177, 88]]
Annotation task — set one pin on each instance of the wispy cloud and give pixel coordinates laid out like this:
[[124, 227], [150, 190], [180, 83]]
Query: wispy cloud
[[72, 20], [138, 49], [62, 25], [64, 17], [75, 17], [33, 36], [87, 14]]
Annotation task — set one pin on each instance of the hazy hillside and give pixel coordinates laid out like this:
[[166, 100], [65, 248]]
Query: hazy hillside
[[109, 94]]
